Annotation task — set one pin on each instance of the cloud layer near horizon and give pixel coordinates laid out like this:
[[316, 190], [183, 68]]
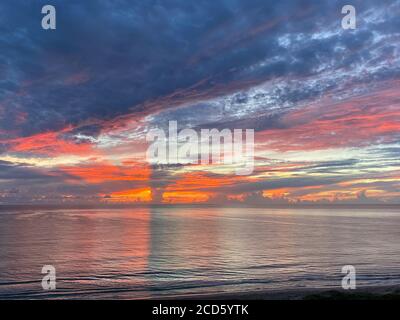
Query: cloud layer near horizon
[[76, 103]]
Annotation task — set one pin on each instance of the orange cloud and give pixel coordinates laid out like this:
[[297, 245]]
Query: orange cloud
[[102, 172], [131, 195], [356, 122], [195, 187], [186, 196], [49, 143], [200, 180]]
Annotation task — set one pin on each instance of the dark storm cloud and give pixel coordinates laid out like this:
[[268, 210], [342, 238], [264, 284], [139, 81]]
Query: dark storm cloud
[[20, 180], [271, 184], [10, 171], [388, 152], [111, 57], [332, 166]]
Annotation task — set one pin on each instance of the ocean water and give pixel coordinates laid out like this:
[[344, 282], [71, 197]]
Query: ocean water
[[183, 252]]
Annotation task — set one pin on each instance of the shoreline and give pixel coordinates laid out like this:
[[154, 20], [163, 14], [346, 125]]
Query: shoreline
[[385, 292], [391, 292]]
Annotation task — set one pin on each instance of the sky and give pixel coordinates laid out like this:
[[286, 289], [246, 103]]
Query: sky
[[77, 102]]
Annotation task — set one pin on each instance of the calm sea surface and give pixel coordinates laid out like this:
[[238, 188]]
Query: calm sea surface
[[153, 253]]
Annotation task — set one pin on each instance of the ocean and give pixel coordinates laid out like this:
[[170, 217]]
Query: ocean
[[191, 252]]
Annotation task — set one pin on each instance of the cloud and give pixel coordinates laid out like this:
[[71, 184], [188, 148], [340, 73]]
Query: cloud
[[113, 70], [111, 59]]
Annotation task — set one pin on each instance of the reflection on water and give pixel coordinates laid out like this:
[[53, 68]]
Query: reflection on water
[[159, 252]]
